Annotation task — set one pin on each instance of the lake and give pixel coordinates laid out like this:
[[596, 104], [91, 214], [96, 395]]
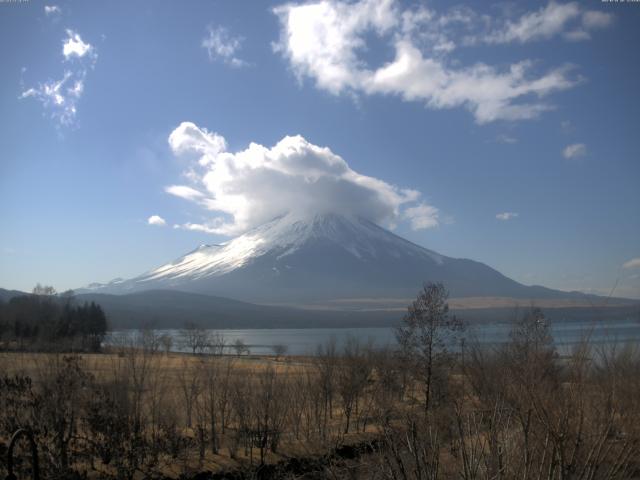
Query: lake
[[304, 341]]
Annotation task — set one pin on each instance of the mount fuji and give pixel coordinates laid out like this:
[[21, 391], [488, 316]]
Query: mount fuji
[[324, 259]]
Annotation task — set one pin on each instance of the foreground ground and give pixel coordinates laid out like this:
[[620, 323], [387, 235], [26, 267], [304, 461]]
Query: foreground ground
[[517, 411]]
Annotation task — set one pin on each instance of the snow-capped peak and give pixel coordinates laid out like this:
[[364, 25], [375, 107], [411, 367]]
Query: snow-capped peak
[[282, 237]]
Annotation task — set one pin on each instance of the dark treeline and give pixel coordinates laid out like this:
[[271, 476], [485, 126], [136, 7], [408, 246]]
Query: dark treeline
[[46, 321]]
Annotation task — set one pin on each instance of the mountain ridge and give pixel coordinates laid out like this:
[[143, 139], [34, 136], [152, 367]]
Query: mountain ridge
[[323, 258]]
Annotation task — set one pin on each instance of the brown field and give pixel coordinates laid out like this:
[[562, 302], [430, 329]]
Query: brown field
[[135, 412], [174, 384], [101, 364]]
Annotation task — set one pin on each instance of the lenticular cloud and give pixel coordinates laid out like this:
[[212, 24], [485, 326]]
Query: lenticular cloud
[[247, 188]]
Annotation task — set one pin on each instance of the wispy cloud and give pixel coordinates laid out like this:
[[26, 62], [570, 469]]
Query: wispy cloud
[[185, 192], [221, 45], [60, 97], [593, 19], [506, 216], [212, 227], [574, 150], [566, 126], [156, 220], [508, 139], [570, 20], [324, 41], [633, 263], [247, 188]]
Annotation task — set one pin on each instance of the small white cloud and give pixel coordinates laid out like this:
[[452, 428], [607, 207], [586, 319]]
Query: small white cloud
[[633, 263], [506, 216], [574, 150], [220, 44], [156, 220], [249, 187], [52, 10], [73, 46]]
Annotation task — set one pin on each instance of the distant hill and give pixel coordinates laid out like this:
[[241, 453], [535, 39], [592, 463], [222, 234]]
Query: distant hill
[[6, 295], [172, 309]]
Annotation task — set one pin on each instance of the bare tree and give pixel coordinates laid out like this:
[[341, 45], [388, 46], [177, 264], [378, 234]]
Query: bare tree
[[326, 361], [224, 392], [216, 344], [240, 347], [270, 409], [215, 376], [44, 290], [190, 385], [166, 341], [353, 376], [64, 383], [194, 338], [149, 340], [279, 349], [426, 335], [390, 383]]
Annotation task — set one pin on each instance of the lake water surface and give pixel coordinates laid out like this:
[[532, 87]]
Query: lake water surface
[[304, 341]]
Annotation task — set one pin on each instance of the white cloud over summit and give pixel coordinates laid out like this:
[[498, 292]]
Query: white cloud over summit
[[326, 41], [255, 185]]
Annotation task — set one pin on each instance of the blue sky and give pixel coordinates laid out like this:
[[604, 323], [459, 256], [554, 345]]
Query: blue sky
[[506, 133]]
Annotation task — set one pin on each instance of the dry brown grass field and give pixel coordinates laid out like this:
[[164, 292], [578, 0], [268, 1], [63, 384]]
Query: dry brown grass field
[[174, 388], [512, 411]]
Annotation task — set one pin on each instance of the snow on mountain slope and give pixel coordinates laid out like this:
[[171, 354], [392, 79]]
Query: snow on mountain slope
[[295, 259], [283, 237]]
